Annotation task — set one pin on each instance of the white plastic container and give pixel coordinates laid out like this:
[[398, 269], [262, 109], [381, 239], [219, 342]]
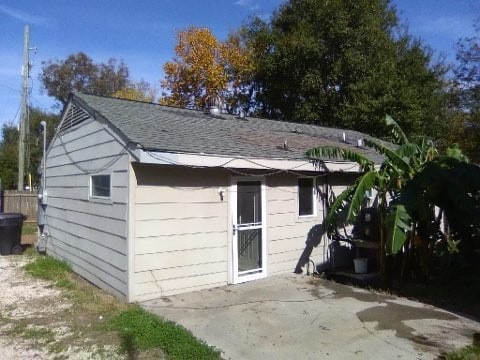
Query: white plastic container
[[360, 265]]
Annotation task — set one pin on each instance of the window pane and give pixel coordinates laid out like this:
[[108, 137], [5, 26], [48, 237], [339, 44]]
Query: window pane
[[101, 185], [249, 202], [249, 249], [305, 196]]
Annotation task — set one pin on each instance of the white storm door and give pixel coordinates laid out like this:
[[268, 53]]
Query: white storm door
[[249, 231]]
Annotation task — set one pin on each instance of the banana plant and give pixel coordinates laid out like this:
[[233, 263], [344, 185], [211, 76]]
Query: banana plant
[[386, 180], [411, 182]]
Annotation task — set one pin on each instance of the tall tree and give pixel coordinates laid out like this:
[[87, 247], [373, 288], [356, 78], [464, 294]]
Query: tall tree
[[343, 63], [34, 145], [78, 72], [466, 119], [204, 67], [139, 91], [9, 157]]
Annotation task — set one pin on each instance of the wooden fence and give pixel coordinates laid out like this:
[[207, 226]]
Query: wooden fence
[[26, 203]]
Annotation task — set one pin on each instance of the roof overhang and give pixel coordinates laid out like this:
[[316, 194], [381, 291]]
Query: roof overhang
[[215, 161]]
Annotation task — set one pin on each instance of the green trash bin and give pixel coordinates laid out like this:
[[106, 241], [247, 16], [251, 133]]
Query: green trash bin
[[11, 233]]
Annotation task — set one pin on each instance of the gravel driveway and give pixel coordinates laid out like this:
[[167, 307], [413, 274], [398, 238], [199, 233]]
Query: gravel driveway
[[32, 319]]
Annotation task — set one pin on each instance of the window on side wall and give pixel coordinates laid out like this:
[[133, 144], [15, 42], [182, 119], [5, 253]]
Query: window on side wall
[[100, 186], [306, 198]]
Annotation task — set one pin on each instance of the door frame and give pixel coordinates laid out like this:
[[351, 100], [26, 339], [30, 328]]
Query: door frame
[[235, 277]]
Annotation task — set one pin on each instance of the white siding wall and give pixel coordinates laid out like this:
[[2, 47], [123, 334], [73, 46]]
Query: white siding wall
[[181, 238], [289, 234], [181, 228], [90, 234]]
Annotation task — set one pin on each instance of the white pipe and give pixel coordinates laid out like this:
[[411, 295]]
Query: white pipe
[[44, 177]]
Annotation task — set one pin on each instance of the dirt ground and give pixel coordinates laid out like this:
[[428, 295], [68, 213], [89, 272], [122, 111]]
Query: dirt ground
[[35, 321]]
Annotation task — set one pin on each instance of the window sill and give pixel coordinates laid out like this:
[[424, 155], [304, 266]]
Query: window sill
[[101, 200], [307, 217]]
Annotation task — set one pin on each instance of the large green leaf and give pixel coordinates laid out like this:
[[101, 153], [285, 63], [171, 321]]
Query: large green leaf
[[363, 184], [348, 204], [394, 159], [336, 211], [334, 152], [396, 131], [397, 224]]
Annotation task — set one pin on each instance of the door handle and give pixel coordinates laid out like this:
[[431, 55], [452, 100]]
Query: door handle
[[234, 229]]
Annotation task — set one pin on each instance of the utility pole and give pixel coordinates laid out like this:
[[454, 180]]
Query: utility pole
[[24, 107]]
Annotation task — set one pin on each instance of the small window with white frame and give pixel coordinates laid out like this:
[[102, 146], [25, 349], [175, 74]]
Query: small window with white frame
[[306, 197], [101, 186]]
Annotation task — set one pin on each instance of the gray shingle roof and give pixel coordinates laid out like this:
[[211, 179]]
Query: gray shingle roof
[[162, 128]]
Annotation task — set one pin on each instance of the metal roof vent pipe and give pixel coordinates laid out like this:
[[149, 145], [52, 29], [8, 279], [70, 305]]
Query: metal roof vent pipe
[[214, 105]]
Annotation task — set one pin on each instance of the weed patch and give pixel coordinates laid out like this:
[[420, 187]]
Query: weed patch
[[50, 269], [141, 330], [96, 318], [36, 334], [29, 228], [471, 352]]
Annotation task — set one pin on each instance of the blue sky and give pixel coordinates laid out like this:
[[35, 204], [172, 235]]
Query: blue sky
[[142, 33]]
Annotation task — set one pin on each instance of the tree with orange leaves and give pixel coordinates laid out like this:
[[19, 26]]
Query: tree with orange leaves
[[139, 91], [204, 67]]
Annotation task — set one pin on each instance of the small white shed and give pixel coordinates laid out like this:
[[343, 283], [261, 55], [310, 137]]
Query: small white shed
[[148, 201]]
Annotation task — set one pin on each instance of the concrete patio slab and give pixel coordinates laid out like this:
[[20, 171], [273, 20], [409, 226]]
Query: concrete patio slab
[[300, 317]]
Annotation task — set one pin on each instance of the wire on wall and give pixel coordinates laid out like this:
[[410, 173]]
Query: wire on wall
[[273, 170], [85, 170]]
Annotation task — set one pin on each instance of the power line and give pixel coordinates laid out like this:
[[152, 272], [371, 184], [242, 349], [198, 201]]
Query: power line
[[11, 88]]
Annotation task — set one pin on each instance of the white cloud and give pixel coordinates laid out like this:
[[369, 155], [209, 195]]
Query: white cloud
[[451, 27], [243, 2], [23, 16], [249, 4]]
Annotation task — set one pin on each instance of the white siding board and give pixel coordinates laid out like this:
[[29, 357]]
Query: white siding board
[[282, 267], [291, 230], [169, 287], [179, 226], [181, 271], [282, 193], [164, 211], [149, 194], [281, 206], [179, 242], [287, 256], [193, 257], [279, 220], [293, 243]]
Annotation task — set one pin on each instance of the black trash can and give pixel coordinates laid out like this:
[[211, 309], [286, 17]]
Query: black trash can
[[11, 233]]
